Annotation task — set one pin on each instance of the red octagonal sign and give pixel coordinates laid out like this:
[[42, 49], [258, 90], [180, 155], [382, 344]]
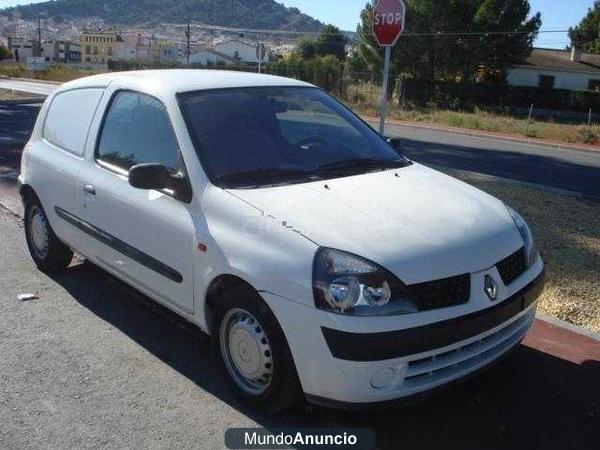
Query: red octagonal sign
[[388, 21]]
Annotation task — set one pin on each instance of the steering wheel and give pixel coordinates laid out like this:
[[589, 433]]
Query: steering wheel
[[305, 144]]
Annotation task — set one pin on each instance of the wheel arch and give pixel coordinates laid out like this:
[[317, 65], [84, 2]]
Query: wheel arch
[[27, 193], [215, 290]]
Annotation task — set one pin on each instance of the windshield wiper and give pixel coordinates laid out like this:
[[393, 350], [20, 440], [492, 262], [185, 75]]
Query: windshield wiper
[[261, 177], [360, 163]]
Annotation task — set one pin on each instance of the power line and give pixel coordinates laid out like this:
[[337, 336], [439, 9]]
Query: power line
[[317, 33]]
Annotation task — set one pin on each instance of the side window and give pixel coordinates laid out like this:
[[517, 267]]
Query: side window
[[69, 118], [137, 130]]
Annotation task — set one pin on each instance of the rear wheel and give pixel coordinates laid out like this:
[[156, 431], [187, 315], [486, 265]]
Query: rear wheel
[[47, 251], [254, 352]]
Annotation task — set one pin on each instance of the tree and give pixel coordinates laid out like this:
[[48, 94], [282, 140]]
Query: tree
[[4, 53], [306, 47], [445, 39], [331, 41], [587, 34]]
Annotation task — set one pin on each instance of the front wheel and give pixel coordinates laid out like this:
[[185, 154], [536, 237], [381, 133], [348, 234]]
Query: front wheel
[[254, 352], [46, 250]]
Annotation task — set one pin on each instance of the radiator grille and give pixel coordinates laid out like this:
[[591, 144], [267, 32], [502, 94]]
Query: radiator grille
[[512, 267], [441, 293]]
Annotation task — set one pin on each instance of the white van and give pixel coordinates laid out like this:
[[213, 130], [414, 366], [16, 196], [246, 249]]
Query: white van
[[326, 265]]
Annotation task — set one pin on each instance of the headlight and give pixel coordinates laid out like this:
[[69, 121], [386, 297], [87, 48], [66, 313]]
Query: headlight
[[345, 283], [531, 252]]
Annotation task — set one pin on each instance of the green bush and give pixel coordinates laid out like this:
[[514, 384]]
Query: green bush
[[464, 96], [323, 71]]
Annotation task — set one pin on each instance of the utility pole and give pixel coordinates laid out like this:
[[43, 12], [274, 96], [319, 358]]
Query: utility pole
[[39, 49], [187, 51]]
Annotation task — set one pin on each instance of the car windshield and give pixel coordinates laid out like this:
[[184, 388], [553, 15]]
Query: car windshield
[[259, 136]]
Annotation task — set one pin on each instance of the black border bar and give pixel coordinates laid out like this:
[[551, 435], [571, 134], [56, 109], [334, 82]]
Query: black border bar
[[396, 344], [120, 246]]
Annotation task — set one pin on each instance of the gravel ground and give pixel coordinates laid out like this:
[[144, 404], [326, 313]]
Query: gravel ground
[[567, 233]]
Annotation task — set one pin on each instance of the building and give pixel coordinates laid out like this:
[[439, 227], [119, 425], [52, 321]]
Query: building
[[206, 56], [99, 47], [61, 51], [163, 51], [242, 51], [127, 48], [557, 69], [22, 48]]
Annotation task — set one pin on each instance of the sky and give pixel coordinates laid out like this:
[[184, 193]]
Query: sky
[[556, 14]]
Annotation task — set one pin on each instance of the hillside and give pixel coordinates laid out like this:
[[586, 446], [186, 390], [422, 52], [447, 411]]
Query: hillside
[[266, 14]]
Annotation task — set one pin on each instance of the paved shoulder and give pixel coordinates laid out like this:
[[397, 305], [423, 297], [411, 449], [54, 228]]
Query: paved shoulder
[[33, 87]]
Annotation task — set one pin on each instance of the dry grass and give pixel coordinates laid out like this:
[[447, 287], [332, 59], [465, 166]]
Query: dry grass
[[364, 98], [55, 72], [567, 233]]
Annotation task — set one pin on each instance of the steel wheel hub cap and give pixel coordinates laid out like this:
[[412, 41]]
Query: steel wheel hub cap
[[246, 351], [39, 233]]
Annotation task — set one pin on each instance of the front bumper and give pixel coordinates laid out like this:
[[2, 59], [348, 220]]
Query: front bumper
[[360, 368]]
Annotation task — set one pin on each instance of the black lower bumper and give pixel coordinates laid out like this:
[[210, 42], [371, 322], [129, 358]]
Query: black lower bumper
[[396, 344]]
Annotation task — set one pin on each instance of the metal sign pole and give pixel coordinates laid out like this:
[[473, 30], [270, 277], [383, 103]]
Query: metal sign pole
[[260, 55], [384, 90]]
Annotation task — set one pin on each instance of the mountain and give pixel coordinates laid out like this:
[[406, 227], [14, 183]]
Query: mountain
[[264, 14]]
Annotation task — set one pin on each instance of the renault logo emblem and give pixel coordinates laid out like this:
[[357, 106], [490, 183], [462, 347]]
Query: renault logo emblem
[[490, 287]]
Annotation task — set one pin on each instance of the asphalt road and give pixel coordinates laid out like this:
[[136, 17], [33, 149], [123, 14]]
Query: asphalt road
[[567, 169]]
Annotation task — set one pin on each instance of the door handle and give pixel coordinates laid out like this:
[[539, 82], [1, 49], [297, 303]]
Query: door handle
[[89, 189]]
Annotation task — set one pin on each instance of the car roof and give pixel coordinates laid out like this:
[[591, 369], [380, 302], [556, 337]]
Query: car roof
[[173, 81]]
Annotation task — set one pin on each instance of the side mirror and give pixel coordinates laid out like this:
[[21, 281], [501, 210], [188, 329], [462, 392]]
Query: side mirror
[[395, 143], [157, 176]]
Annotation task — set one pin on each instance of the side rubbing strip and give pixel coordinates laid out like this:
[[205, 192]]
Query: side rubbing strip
[[120, 246]]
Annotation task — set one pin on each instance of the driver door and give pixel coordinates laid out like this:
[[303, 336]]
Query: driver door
[[145, 236]]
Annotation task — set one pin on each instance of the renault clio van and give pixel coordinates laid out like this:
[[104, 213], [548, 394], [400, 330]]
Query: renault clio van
[[326, 265]]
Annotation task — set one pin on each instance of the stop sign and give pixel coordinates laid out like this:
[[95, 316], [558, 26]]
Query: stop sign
[[388, 21]]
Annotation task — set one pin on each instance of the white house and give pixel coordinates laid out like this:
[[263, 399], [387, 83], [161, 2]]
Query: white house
[[207, 56], [557, 69], [242, 51], [21, 48]]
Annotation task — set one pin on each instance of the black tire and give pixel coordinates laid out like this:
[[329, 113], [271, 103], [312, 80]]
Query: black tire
[[56, 256], [284, 390]]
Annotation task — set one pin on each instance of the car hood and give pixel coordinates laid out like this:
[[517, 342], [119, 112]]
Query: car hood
[[414, 221]]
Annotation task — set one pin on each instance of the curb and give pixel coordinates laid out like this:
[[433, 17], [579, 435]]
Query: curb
[[568, 326], [35, 80], [487, 135]]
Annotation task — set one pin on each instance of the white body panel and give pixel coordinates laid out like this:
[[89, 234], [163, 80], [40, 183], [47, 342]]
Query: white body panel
[[417, 223]]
